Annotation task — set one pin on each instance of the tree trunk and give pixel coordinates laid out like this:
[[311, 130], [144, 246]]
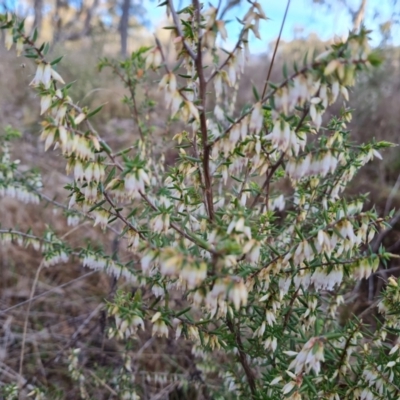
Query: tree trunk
[[57, 22], [38, 10], [123, 26], [89, 16]]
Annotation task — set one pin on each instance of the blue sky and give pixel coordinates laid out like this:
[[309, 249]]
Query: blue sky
[[311, 18]]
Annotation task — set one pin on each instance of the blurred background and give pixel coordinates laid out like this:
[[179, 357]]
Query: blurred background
[[86, 30]]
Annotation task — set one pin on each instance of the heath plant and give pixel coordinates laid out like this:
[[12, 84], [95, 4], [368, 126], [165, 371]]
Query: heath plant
[[243, 245]]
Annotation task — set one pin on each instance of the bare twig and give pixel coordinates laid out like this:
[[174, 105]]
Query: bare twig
[[242, 356], [102, 383], [21, 360], [134, 109], [219, 69], [391, 196], [203, 121], [178, 229], [270, 173], [275, 49], [164, 392], [381, 236], [30, 300]]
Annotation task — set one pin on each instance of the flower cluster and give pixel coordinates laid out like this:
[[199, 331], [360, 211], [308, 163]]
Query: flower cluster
[[309, 357]]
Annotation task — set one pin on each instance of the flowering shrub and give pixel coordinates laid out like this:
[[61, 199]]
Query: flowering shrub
[[246, 242]]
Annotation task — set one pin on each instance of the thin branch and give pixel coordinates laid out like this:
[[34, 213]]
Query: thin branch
[[381, 236], [270, 174], [178, 229], [219, 69], [134, 110], [275, 50], [179, 30], [21, 359], [391, 196], [203, 121], [102, 382], [242, 357], [24, 235], [272, 171], [395, 246], [289, 313], [345, 348], [64, 207], [385, 272], [121, 217], [3, 312]]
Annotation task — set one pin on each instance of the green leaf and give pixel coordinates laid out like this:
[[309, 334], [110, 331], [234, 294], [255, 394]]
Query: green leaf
[[333, 335], [182, 312], [138, 296], [337, 233], [106, 148], [256, 94], [285, 72], [67, 86], [94, 112], [300, 235], [35, 35], [46, 48], [97, 205], [56, 61], [319, 324], [112, 219], [305, 58], [231, 120], [132, 213], [196, 160], [21, 25], [310, 384], [384, 144], [375, 59]]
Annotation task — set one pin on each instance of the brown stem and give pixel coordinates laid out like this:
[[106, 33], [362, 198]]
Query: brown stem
[[120, 216], [212, 76], [179, 30], [268, 179], [289, 313], [346, 346], [134, 110], [203, 122], [242, 357], [182, 232], [265, 186], [275, 50]]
